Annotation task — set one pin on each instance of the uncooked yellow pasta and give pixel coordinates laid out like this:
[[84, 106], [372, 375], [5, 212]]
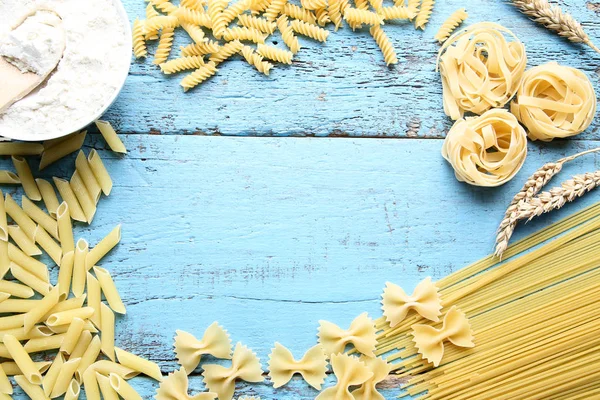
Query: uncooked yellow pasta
[[384, 43], [49, 378], [23, 361], [194, 31], [85, 171], [312, 31], [20, 149], [161, 22], [162, 53], [453, 21], [138, 364], [37, 313], [64, 377], [358, 16], [108, 393], [84, 198], [82, 344], [194, 17], [39, 285], [46, 242], [73, 390], [150, 13], [312, 367], [9, 178], [106, 367], [24, 173], [361, 334], [107, 326], [16, 290], [395, 12], [236, 9], [36, 345], [67, 194], [92, 392], [48, 196], [65, 274], [88, 358], [40, 217], [4, 258], [123, 388], [66, 317], [34, 391], [287, 34], [313, 4], [54, 151], [64, 305], [103, 247], [25, 244], [109, 290], [79, 267], [225, 52], [182, 64], [199, 75], [100, 173], [19, 216], [94, 298], [139, 42], [5, 385], [274, 9], [424, 13], [215, 11], [245, 34], [72, 336], [256, 60], [275, 54], [34, 266], [200, 49], [65, 228], [293, 11]]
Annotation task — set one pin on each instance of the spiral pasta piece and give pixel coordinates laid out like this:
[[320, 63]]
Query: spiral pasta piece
[[312, 31], [384, 43], [151, 13], [226, 51], [275, 54], [241, 33], [162, 22], [215, 11], [293, 11], [361, 4], [139, 44], [261, 24], [376, 4], [259, 6], [235, 10], [164, 46], [195, 17], [182, 64], [200, 49], [313, 4], [194, 31], [480, 69], [487, 150], [357, 16], [194, 4], [199, 76], [322, 16], [164, 6], [336, 9], [256, 60], [274, 9], [287, 34], [451, 24], [396, 12], [424, 13], [554, 101]]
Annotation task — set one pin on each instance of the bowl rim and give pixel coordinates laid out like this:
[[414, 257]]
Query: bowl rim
[[36, 137]]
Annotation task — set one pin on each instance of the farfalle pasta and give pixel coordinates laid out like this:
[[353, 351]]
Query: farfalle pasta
[[361, 334], [425, 300], [245, 365], [554, 101], [429, 341], [368, 390], [175, 387], [487, 150], [349, 371], [480, 69], [312, 367], [190, 350]]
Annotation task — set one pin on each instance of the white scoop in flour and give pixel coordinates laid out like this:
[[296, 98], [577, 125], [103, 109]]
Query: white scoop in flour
[[28, 54]]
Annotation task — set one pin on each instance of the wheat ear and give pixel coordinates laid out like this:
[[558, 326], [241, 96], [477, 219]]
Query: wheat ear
[[553, 18]]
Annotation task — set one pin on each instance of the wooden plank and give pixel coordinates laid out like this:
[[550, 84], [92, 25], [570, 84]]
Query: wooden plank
[[268, 236], [337, 89]]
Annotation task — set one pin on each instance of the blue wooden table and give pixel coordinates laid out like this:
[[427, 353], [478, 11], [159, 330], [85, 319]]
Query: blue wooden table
[[268, 235]]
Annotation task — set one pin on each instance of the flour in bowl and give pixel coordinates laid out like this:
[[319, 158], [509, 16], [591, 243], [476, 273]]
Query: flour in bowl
[[91, 70]]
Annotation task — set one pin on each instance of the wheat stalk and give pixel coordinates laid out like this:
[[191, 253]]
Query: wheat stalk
[[553, 18], [532, 187]]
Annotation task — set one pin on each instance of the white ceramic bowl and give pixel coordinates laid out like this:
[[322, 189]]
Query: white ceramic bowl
[[38, 136]]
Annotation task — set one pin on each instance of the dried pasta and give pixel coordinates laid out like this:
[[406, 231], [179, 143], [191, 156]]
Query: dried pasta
[[424, 13], [287, 34], [487, 150], [274, 9], [215, 11], [195, 32], [100, 172], [313, 4], [27, 181], [139, 43], [103, 247], [87, 176], [361, 334], [257, 23], [453, 21], [194, 17], [275, 54], [40, 217], [312, 31], [190, 350], [235, 10], [182, 64], [175, 387], [368, 390], [150, 13], [349, 371], [384, 43], [199, 76], [19, 216], [67, 194], [200, 49], [48, 196], [84, 198], [225, 52], [9, 178], [20, 149], [105, 128], [312, 367], [396, 12], [23, 241], [256, 60], [242, 33], [425, 300], [109, 289], [54, 151], [162, 22], [358, 16], [293, 11], [138, 364]]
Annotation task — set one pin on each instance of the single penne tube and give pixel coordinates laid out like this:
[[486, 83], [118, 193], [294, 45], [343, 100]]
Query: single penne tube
[[49, 379], [87, 325], [88, 358], [123, 388], [4, 351], [40, 217], [66, 317], [86, 174], [82, 344], [65, 228], [11, 368], [21, 334], [111, 137], [34, 391], [67, 194], [37, 314], [48, 196], [107, 327], [106, 367], [9, 178], [17, 305], [108, 393], [32, 265], [19, 216], [73, 390], [72, 336], [103, 247], [26, 277], [92, 392], [3, 222], [138, 363], [54, 150], [64, 377], [26, 177], [5, 385], [65, 274], [26, 245], [87, 203], [12, 321], [4, 258], [36, 345], [94, 298], [110, 290], [100, 172], [15, 289], [79, 267], [65, 305], [48, 244], [22, 359], [20, 149]]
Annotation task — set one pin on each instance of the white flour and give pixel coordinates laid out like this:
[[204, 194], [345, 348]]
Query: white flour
[[95, 56]]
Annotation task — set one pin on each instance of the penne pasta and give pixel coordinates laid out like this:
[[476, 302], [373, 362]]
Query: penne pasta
[[111, 137], [40, 217], [64, 377], [65, 228], [26, 277], [65, 274], [100, 172], [12, 321], [56, 149], [35, 345], [20, 149], [48, 196], [107, 327], [66, 317], [88, 205], [65, 305], [110, 290], [9, 178], [34, 391], [3, 352], [123, 388], [22, 359], [11, 368], [87, 326], [34, 266], [94, 298], [4, 259], [92, 392], [108, 393], [26, 245], [86, 174], [19, 216], [5, 385], [37, 314], [15, 289], [88, 358], [17, 305], [49, 379], [67, 194], [139, 364], [3, 223], [103, 247], [73, 390], [79, 267], [48, 244], [106, 367], [26, 177], [82, 344], [72, 336]]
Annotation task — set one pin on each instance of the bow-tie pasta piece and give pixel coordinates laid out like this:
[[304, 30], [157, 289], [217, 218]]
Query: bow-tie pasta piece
[[312, 367], [349, 371], [245, 365], [456, 329], [380, 369], [554, 101], [425, 300], [480, 69], [190, 350], [175, 387], [362, 334]]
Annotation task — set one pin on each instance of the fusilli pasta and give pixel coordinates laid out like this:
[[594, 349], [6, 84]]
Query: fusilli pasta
[[164, 45], [322, 16], [312, 31], [357, 16], [195, 32], [258, 23], [275, 54], [336, 9], [193, 17], [288, 34], [424, 14], [199, 49], [241, 33], [181, 64], [236, 9], [389, 54], [259, 6], [215, 11], [313, 4], [256, 60], [199, 76], [451, 24], [162, 21], [274, 9], [226, 51], [194, 4], [151, 13], [293, 11], [396, 13], [139, 45]]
